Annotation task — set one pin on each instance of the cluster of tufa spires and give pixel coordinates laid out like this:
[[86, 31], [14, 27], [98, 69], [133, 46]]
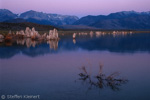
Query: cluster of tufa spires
[[53, 35], [33, 34]]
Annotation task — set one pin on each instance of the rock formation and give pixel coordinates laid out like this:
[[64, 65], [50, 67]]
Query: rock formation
[[91, 34], [53, 35], [74, 35], [28, 32], [33, 34]]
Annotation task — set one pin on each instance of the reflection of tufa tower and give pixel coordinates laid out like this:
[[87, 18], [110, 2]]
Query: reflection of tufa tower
[[74, 41], [28, 42], [20, 41], [53, 44]]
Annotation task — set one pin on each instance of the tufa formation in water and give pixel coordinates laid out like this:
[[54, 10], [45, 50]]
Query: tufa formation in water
[[31, 33]]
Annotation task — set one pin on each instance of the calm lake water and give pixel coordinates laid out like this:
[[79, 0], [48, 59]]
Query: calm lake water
[[53, 69]]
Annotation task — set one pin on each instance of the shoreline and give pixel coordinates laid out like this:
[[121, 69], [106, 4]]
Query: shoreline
[[5, 32]]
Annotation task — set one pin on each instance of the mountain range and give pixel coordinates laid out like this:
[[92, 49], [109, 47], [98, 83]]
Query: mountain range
[[119, 20], [37, 17]]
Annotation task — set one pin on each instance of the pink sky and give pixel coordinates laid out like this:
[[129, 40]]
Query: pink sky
[[75, 7]]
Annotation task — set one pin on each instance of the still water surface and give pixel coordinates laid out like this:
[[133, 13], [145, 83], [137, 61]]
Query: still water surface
[[51, 69]]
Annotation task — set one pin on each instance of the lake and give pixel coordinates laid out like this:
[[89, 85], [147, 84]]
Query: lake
[[106, 67]]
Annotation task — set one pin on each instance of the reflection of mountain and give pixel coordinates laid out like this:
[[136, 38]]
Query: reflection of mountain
[[122, 43], [128, 43], [8, 52]]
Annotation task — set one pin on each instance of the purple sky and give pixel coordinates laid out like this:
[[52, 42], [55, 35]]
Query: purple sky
[[75, 7]]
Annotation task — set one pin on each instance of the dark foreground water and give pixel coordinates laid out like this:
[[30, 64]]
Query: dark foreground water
[[54, 69]]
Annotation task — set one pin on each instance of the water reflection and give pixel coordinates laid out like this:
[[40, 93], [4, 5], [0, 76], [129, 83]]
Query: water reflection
[[28, 42], [53, 44], [122, 43], [102, 80], [28, 47], [1, 40], [74, 41]]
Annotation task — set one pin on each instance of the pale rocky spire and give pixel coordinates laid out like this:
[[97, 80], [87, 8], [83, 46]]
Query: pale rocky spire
[[91, 34], [53, 35], [28, 32], [74, 35]]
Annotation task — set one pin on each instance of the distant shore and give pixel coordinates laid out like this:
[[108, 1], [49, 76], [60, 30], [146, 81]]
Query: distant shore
[[6, 27], [5, 32]]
